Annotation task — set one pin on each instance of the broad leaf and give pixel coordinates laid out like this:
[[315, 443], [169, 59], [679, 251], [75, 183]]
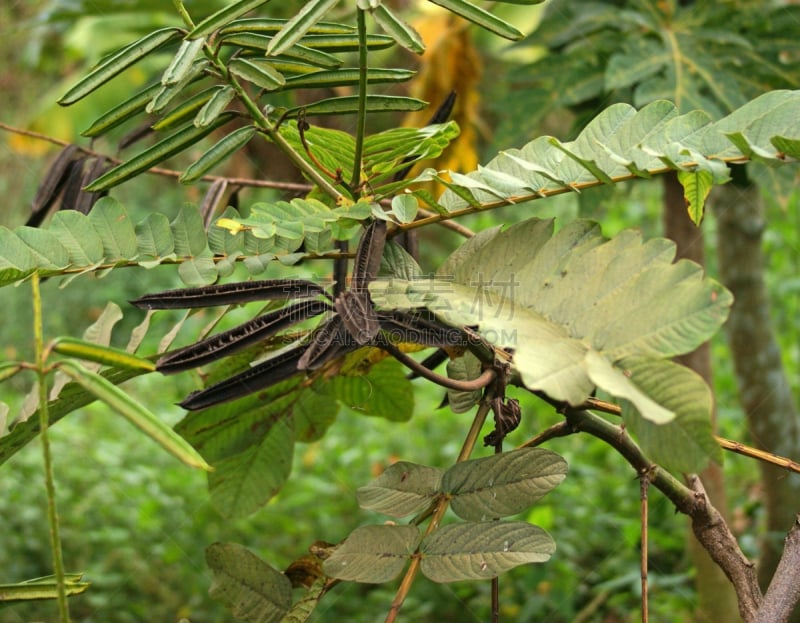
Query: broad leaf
[[686, 443], [252, 590], [373, 554], [402, 489], [519, 287], [503, 484], [482, 550], [464, 368]]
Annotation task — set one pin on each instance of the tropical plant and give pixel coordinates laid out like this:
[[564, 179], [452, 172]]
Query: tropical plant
[[585, 323]]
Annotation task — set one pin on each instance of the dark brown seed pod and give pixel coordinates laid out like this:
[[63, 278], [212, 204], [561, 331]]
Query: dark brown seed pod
[[52, 184], [231, 294], [358, 316], [211, 200], [86, 200], [257, 378], [223, 344], [368, 255]]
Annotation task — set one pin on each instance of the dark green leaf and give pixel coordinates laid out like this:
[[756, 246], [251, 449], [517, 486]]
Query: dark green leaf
[[373, 554], [483, 550], [482, 18], [503, 484], [159, 152], [122, 112], [118, 62], [252, 590], [214, 107], [398, 29], [348, 104], [402, 489], [217, 153], [182, 62]]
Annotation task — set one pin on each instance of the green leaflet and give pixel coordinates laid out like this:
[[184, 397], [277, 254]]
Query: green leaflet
[[482, 550], [482, 18], [373, 554], [398, 29], [299, 25], [159, 152], [519, 286], [42, 588], [621, 143], [224, 17], [218, 152]]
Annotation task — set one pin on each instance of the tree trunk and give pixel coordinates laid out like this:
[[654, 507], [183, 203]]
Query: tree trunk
[[764, 391], [716, 598]]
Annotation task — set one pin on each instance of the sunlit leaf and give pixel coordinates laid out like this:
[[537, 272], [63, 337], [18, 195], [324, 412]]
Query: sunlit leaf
[[299, 24]]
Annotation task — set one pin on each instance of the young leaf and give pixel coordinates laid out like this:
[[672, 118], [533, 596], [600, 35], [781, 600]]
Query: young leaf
[[405, 208], [252, 590], [217, 153], [503, 484], [121, 403], [106, 355], [696, 186], [182, 61], [298, 25], [258, 71], [397, 29], [373, 554], [214, 107], [224, 17], [402, 489], [483, 550], [118, 62], [464, 368], [159, 152]]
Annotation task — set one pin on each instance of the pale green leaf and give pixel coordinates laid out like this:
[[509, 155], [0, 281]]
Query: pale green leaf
[[75, 232], [302, 21], [42, 588], [214, 107], [45, 249], [405, 208], [224, 17], [373, 554], [112, 222], [154, 238], [482, 550], [686, 443], [182, 62], [464, 368], [250, 588], [258, 71]]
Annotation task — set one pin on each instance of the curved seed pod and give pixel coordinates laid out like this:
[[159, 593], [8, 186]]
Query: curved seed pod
[[211, 200], [368, 255], [261, 376], [328, 340], [231, 294], [52, 184], [420, 328], [359, 317], [87, 199], [229, 342]]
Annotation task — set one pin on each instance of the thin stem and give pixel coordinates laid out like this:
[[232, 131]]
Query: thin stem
[[184, 14], [361, 120], [482, 381], [49, 482], [644, 483], [441, 506]]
